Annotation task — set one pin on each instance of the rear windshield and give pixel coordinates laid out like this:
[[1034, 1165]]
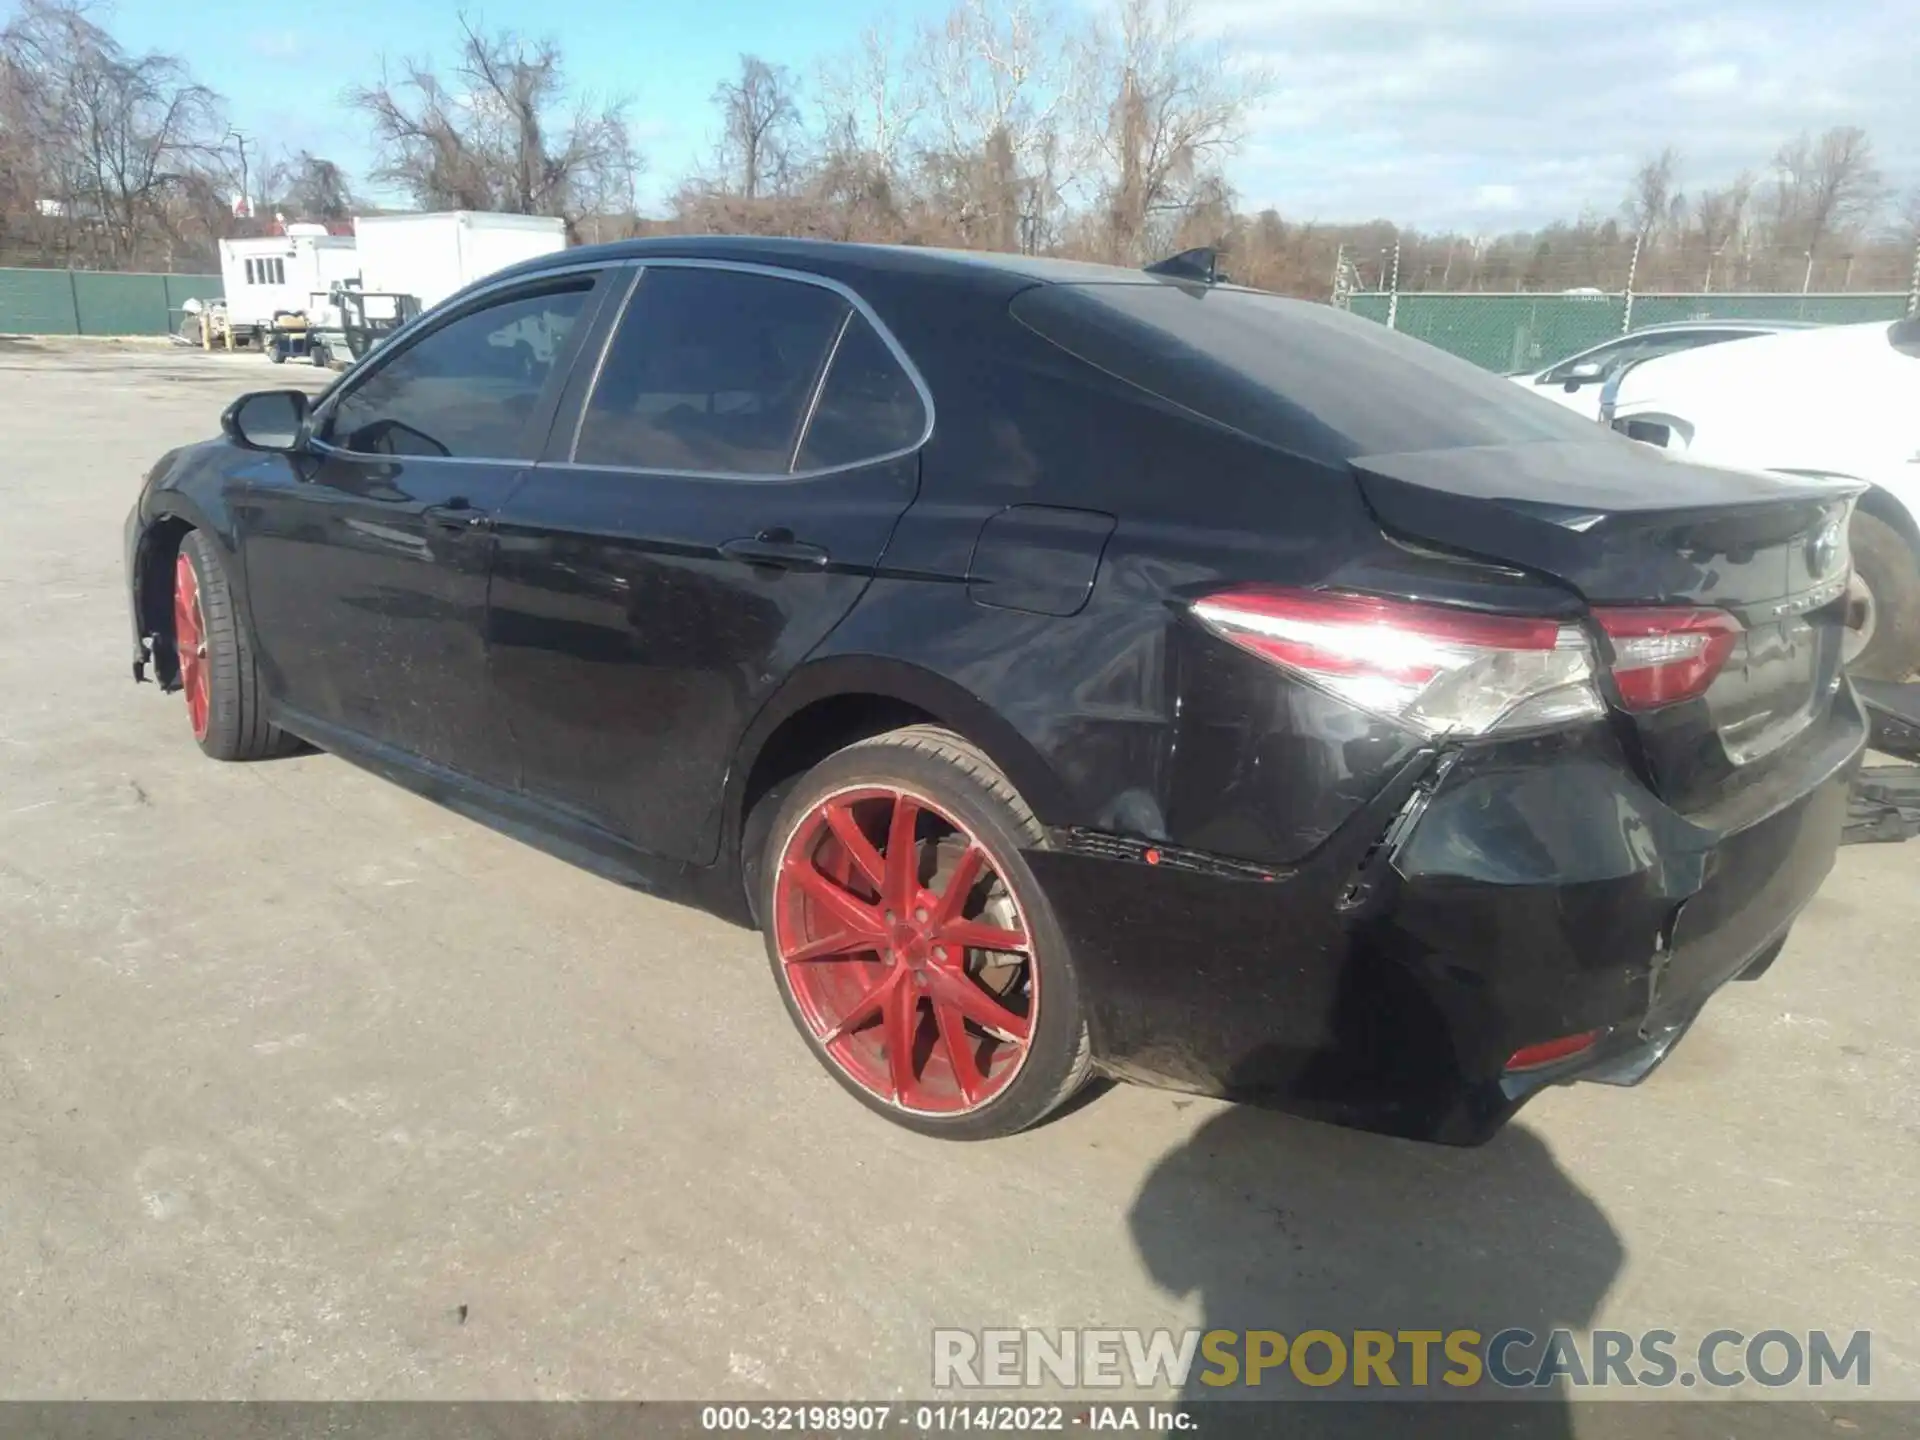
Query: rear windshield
[[1306, 377]]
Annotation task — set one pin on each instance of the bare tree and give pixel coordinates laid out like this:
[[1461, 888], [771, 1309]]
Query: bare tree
[[759, 129], [316, 189], [496, 137], [868, 104], [1653, 203], [1174, 108], [104, 139], [1824, 187], [1000, 79], [1718, 216]]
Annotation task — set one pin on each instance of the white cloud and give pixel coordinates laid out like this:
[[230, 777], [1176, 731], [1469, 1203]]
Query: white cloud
[[1721, 79], [1521, 111], [276, 44]]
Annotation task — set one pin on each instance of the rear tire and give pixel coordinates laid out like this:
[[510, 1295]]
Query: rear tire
[[1021, 1048], [216, 668], [1886, 564]]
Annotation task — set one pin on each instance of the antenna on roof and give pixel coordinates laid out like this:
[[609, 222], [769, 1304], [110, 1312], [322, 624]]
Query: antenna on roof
[[1201, 264]]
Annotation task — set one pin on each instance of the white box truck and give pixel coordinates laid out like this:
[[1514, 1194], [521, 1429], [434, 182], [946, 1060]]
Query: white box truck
[[431, 256], [272, 274]]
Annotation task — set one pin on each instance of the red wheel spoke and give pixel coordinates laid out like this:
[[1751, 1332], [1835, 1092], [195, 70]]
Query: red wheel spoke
[[953, 1034], [902, 1021], [865, 1008], [978, 935], [190, 645], [843, 946], [846, 907], [841, 821], [966, 874], [875, 959], [903, 857], [956, 988]]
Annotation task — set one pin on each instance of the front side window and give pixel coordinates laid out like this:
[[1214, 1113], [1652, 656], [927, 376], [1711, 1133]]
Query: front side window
[[468, 388], [710, 371]]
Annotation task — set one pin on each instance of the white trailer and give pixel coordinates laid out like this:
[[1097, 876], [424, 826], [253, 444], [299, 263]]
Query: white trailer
[[270, 274], [431, 256]]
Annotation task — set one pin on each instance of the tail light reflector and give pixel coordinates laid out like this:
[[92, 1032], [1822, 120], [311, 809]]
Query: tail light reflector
[[1663, 655], [1547, 1052], [1438, 670]]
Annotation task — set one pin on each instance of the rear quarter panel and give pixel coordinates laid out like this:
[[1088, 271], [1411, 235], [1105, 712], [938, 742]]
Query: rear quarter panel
[[1126, 716]]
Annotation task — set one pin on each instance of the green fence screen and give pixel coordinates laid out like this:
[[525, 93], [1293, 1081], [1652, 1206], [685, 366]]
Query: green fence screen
[[89, 302], [1499, 332], [1527, 332]]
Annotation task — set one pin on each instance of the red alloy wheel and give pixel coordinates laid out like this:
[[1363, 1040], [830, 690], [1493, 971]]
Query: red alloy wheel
[[190, 645], [905, 951]]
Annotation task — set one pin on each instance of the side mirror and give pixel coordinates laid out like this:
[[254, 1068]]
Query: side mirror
[[1584, 373], [270, 420]]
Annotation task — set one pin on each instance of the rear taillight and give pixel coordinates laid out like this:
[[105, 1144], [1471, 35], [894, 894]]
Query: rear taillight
[[1663, 655], [1441, 671]]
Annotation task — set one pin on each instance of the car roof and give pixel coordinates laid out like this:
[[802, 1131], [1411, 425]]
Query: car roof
[[841, 257], [1743, 322]]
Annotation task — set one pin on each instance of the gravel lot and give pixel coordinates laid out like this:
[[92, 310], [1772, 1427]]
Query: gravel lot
[[309, 1088]]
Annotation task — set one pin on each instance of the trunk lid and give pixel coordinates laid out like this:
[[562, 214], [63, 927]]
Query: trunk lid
[[1625, 526]]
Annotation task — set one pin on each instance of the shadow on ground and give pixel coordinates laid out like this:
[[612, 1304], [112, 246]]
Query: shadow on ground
[[1286, 1225]]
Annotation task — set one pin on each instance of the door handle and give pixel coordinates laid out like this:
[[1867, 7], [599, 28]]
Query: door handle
[[458, 513], [778, 549]]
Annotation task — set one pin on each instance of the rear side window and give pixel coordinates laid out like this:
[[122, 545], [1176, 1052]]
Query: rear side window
[[1312, 379], [710, 370], [868, 406]]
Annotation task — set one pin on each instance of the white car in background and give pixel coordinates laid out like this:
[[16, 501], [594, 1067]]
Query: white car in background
[[1576, 381], [1840, 400]]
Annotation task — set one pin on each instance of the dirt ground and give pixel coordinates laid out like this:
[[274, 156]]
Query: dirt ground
[[309, 1088]]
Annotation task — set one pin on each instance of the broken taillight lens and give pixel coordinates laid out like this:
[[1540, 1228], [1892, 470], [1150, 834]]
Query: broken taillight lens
[[1662, 655], [1439, 670]]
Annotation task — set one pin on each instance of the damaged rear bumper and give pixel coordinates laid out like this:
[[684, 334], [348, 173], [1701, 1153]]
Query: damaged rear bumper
[[1527, 893]]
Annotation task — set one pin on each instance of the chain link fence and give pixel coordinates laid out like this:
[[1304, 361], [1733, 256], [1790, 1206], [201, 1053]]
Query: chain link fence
[[1517, 333]]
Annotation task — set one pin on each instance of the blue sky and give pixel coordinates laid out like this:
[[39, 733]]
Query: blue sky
[[1481, 114]]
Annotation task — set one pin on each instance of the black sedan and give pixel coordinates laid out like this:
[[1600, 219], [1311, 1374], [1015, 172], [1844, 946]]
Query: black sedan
[[1069, 669]]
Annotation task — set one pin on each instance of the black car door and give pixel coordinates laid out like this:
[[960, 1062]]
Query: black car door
[[367, 558], [738, 461]]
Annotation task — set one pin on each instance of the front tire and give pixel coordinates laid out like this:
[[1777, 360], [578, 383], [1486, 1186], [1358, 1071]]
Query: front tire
[[215, 661], [1887, 566], [911, 944]]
